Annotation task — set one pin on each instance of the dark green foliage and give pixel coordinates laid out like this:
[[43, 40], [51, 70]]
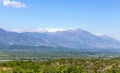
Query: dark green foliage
[[61, 66]]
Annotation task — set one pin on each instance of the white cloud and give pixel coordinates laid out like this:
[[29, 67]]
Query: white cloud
[[14, 3]]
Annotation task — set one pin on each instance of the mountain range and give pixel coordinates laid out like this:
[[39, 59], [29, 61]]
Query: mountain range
[[70, 38]]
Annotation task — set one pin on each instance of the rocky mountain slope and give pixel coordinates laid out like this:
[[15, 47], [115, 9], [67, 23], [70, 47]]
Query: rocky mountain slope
[[71, 38]]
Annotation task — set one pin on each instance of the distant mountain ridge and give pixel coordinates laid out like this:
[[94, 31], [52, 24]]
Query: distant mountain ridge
[[70, 38]]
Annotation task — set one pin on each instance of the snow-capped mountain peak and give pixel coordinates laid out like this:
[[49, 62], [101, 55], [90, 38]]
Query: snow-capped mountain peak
[[43, 30]]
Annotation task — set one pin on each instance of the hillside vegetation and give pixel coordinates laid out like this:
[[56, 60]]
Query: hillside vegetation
[[61, 66]]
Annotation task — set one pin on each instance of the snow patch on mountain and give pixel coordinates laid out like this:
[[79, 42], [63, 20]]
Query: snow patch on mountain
[[52, 30]]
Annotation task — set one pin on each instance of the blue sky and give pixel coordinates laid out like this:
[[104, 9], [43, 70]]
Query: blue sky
[[96, 16]]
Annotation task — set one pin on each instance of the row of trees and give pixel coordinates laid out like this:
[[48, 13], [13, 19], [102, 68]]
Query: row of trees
[[61, 66]]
